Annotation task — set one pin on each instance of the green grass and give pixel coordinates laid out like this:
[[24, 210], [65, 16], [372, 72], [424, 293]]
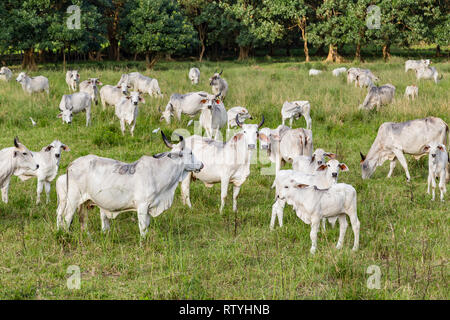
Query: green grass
[[201, 254]]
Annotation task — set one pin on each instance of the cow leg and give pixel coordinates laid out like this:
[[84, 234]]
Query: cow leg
[[236, 190], [324, 225], [5, 190], [290, 121], [185, 190], [40, 187], [433, 186], [401, 158], [223, 192], [88, 116], [83, 216], [392, 167], [315, 222], [430, 177], [47, 191], [342, 229], [144, 220], [353, 215], [133, 125], [442, 186], [122, 126], [277, 211], [308, 122], [105, 221]]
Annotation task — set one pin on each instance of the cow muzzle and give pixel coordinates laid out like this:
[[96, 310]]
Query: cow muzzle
[[251, 146], [334, 174]]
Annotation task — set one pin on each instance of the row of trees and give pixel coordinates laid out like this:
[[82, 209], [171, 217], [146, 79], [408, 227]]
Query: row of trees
[[160, 28]]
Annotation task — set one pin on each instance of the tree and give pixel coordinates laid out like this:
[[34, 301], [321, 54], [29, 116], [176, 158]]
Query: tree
[[158, 27]]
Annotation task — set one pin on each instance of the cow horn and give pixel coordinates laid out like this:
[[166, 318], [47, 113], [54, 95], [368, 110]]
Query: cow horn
[[218, 95], [261, 123], [166, 141], [183, 143], [237, 121], [220, 72], [159, 109], [363, 157], [16, 142]]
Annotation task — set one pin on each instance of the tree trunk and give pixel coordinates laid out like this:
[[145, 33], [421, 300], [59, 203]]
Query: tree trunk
[[64, 58], [358, 53], [302, 25], [438, 51], [386, 52], [202, 36], [150, 60], [243, 52], [28, 61], [333, 55], [113, 30]]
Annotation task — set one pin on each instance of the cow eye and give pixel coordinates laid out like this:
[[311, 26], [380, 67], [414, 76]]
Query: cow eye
[[24, 153]]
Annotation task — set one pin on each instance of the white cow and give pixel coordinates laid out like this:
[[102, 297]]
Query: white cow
[[336, 72], [111, 95], [14, 160], [73, 79], [127, 111], [363, 80], [190, 104], [312, 204], [75, 103], [416, 64], [90, 86], [242, 114], [412, 92], [5, 74], [224, 163], [309, 164], [438, 166], [213, 116], [428, 73], [314, 72], [48, 159], [142, 84], [219, 85], [378, 96], [296, 109], [35, 84], [194, 75], [146, 186], [394, 139], [352, 73]]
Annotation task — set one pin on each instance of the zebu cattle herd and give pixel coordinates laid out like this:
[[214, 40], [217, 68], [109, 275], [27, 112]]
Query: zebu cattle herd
[[147, 185]]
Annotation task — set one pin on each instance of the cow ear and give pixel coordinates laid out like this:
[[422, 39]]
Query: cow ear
[[331, 155], [322, 167], [426, 148], [89, 82], [203, 101], [264, 138], [16, 153], [343, 167], [48, 148], [237, 137], [99, 83], [313, 158], [128, 97], [440, 147], [141, 100], [302, 186], [59, 115], [65, 148]]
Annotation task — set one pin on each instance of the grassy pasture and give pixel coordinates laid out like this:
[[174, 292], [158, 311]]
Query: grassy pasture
[[201, 254]]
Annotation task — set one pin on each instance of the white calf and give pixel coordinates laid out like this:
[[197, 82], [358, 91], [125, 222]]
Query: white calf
[[111, 95], [314, 72], [242, 114], [336, 72], [307, 164], [74, 103], [296, 109], [5, 74], [412, 92], [194, 75], [90, 86], [127, 111], [35, 84], [72, 79], [438, 166]]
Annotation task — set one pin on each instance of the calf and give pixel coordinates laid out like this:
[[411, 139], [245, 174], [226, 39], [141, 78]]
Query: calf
[[412, 92], [296, 109], [142, 84], [352, 74], [314, 72], [72, 79], [194, 75], [428, 73], [307, 164], [312, 204], [75, 103], [239, 111], [111, 95], [438, 166], [90, 86], [35, 84], [218, 85], [48, 159], [336, 72], [14, 160], [213, 116], [363, 80], [416, 64], [5, 74], [127, 111], [190, 104], [378, 96]]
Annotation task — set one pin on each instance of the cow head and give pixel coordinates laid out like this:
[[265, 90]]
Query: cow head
[[332, 168], [368, 166], [123, 87], [21, 77], [23, 158], [166, 114], [319, 156], [66, 115], [434, 150], [94, 82], [208, 101], [214, 80], [250, 131], [264, 138], [56, 147], [181, 153], [135, 98], [74, 75]]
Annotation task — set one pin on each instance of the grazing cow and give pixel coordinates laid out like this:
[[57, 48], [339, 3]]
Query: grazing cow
[[14, 160], [394, 139], [242, 114], [127, 111], [5, 74], [111, 95], [90, 86], [312, 204], [224, 162], [284, 144], [416, 64], [314, 72], [378, 96], [146, 185], [218, 85], [190, 103], [142, 84], [336, 72], [194, 75], [35, 84], [74, 103], [213, 116], [412, 92], [363, 80], [307, 164], [296, 109], [48, 159], [72, 79], [352, 73], [438, 166], [428, 73]]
